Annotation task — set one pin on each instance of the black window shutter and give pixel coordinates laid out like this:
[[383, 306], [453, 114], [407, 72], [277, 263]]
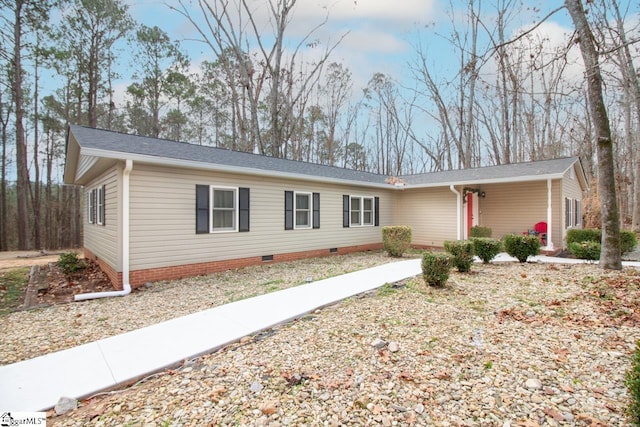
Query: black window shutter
[[202, 209], [288, 210], [102, 205], [376, 214], [243, 205], [345, 210], [316, 210], [567, 211], [94, 213]]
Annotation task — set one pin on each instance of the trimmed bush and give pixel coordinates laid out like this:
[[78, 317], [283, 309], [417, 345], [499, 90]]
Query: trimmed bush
[[632, 381], [585, 250], [396, 239], [477, 231], [69, 263], [435, 268], [486, 248], [461, 254], [521, 247], [579, 235], [628, 239]]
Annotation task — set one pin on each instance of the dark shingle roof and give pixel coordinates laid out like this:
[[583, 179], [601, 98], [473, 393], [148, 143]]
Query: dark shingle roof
[[121, 145], [541, 168], [161, 148]]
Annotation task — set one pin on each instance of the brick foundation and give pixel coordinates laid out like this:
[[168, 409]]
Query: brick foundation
[[138, 278], [114, 276]]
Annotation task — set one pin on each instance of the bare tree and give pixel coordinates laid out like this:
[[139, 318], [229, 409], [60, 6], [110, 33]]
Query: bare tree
[[610, 257], [257, 58]]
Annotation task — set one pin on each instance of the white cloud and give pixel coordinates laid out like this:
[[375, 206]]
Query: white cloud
[[398, 11]]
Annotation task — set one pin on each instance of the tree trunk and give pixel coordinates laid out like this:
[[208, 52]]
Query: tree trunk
[[610, 257], [24, 241], [35, 200], [633, 83]]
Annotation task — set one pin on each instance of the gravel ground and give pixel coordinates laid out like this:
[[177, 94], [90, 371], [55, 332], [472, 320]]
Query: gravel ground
[[63, 326], [506, 345]]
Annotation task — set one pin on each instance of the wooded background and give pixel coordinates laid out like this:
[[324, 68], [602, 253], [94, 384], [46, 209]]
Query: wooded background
[[513, 98]]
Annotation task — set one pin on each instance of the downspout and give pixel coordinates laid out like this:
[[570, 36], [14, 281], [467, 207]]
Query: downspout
[[126, 286], [549, 216], [458, 211]]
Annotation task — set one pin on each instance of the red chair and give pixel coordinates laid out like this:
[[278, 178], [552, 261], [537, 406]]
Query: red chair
[[541, 230]]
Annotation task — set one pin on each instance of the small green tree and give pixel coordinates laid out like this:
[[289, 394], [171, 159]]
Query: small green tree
[[435, 268], [69, 263], [632, 381], [486, 248], [461, 254], [396, 239], [521, 247], [478, 231], [585, 250]]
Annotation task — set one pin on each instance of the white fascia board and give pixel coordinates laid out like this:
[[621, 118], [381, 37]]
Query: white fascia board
[[166, 161], [526, 178]]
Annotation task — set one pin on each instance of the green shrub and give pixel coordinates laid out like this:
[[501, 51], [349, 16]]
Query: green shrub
[[477, 231], [585, 250], [579, 235], [461, 254], [486, 248], [435, 268], [69, 263], [396, 239], [521, 247], [628, 239], [632, 381]]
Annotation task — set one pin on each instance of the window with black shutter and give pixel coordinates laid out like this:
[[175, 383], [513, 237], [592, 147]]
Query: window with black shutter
[[316, 210], [288, 210], [202, 209]]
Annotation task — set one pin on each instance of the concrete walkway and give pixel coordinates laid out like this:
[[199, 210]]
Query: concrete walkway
[[37, 384]]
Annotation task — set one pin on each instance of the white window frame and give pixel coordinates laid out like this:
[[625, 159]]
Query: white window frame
[[577, 212], [361, 222], [99, 205], [309, 211], [236, 213], [570, 214], [90, 205]]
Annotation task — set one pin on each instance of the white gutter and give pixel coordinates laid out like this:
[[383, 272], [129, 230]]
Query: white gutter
[[458, 211], [126, 286]]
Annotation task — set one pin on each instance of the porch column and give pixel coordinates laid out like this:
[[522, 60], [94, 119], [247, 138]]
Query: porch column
[[549, 217], [458, 211]]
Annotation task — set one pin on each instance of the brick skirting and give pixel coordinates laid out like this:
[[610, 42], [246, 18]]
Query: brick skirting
[[138, 278], [114, 276]]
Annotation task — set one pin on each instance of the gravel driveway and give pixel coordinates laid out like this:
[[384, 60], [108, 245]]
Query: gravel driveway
[[506, 345]]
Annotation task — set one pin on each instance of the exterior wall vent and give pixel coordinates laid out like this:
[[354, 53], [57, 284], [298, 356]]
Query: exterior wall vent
[[333, 250], [267, 258]]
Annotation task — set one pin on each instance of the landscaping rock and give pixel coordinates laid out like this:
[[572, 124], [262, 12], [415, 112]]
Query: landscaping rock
[[65, 405]]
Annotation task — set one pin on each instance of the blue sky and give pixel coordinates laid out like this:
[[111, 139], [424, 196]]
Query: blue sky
[[382, 33]]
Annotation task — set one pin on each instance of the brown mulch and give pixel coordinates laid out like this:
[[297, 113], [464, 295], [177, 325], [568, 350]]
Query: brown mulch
[[60, 288]]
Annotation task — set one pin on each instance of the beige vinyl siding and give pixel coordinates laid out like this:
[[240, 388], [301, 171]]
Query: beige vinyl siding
[[104, 240], [517, 207], [570, 188], [163, 218], [85, 163], [430, 212]]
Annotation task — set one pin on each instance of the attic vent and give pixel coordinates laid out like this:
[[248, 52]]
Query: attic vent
[[333, 250], [267, 258]]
